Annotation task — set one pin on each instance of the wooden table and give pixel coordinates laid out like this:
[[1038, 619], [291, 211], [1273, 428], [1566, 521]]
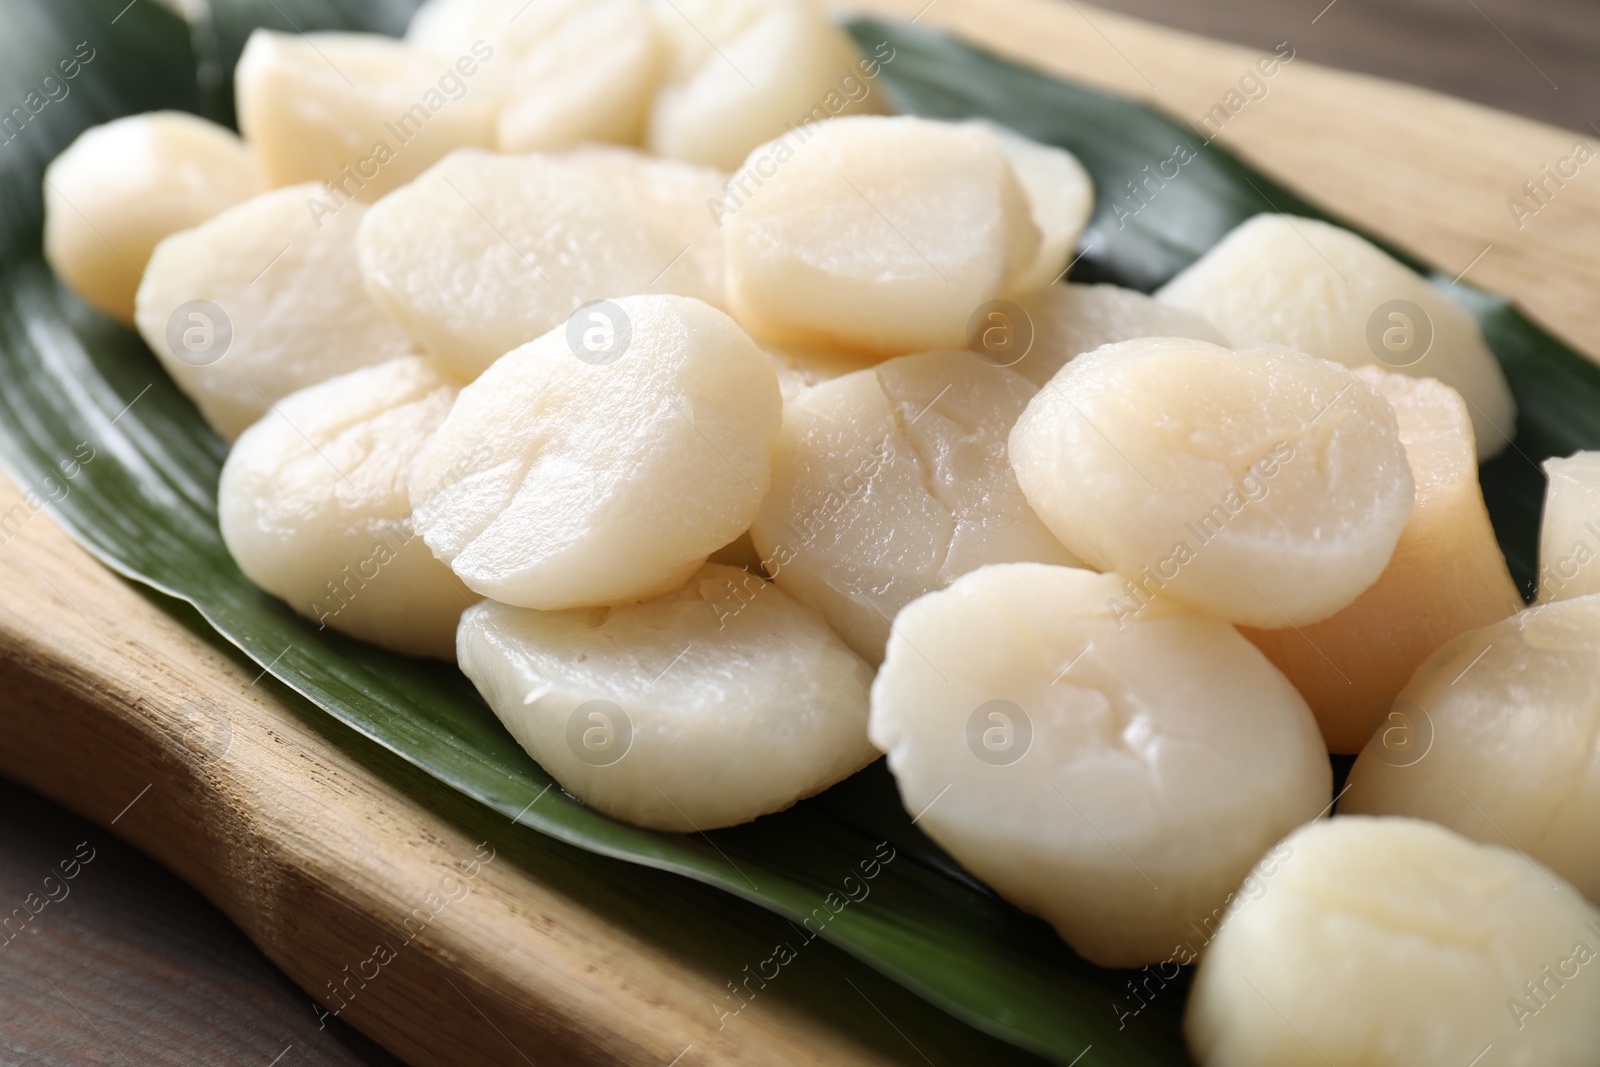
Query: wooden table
[[131, 967]]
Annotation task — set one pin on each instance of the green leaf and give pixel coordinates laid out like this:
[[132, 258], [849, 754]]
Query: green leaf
[[146, 506]]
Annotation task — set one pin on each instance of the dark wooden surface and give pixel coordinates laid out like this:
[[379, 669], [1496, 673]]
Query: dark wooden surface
[[130, 967], [124, 965], [1532, 57]]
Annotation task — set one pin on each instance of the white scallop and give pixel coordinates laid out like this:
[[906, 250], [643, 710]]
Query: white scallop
[[893, 481], [1060, 197], [284, 283], [485, 252], [1569, 529], [1323, 290], [879, 234], [592, 79], [1262, 486], [1118, 779], [123, 186], [361, 112], [611, 472], [1497, 736], [1068, 320], [513, 28], [676, 199], [315, 508], [1393, 943], [692, 711], [746, 70]]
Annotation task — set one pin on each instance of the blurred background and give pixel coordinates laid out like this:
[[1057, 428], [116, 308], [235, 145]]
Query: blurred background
[[1534, 57], [137, 969]]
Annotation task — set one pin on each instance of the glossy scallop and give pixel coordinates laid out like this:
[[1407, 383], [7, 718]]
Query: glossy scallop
[[893, 481], [1497, 736], [699, 709], [260, 302], [315, 507], [358, 111], [1320, 289], [744, 71], [1261, 486], [1391, 943], [120, 188], [485, 252], [1447, 576], [1118, 779], [621, 450], [880, 234]]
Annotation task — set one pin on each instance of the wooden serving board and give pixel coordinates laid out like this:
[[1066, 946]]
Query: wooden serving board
[[312, 842]]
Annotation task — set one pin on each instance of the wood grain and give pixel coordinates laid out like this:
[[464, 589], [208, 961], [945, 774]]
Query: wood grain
[[310, 839]]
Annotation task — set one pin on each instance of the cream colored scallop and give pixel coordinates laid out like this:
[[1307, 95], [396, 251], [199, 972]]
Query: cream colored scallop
[[623, 449], [485, 252], [1060, 197], [743, 71], [121, 187], [1569, 529], [1497, 736], [363, 113], [893, 481], [884, 235], [1447, 576], [1261, 486], [315, 507], [1064, 321], [1117, 779], [676, 198], [1320, 289], [692, 711], [1393, 943], [260, 302], [513, 28], [593, 79]]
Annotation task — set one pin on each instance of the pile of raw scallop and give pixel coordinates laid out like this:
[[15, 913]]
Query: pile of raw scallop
[[730, 431]]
